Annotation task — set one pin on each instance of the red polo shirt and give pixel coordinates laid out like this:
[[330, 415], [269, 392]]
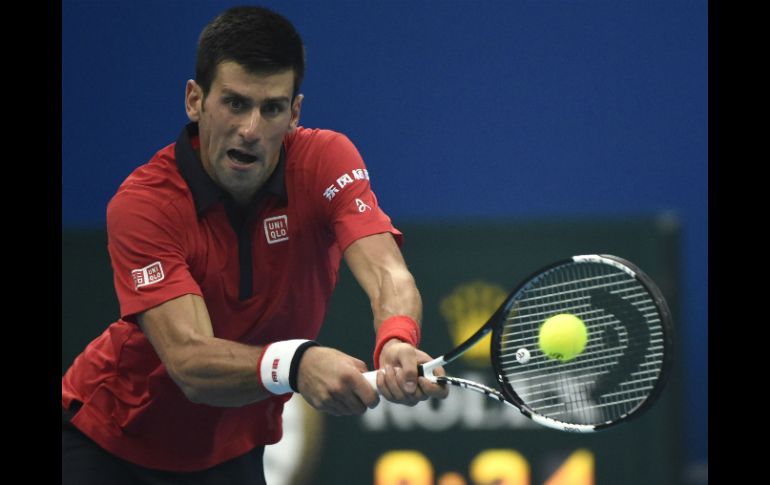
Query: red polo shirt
[[266, 274]]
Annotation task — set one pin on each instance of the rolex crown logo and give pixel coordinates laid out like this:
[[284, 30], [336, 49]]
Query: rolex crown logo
[[466, 309]]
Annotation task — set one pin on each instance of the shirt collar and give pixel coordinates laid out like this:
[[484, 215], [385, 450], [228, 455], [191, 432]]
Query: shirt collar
[[204, 191]]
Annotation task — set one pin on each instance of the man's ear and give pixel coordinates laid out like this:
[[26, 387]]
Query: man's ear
[[193, 100], [296, 109]]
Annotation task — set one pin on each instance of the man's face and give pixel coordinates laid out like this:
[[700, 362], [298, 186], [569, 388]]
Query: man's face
[[241, 124]]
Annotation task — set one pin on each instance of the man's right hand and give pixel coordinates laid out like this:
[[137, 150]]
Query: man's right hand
[[332, 381]]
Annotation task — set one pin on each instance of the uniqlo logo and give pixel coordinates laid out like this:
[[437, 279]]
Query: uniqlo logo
[[148, 275], [277, 229]]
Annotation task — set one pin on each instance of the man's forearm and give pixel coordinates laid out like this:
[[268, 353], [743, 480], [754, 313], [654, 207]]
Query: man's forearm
[[220, 372], [398, 295]]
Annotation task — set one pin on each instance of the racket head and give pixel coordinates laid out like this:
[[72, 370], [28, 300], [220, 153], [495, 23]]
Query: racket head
[[627, 357]]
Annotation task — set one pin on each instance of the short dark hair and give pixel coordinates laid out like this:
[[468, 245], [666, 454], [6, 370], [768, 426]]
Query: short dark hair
[[259, 40]]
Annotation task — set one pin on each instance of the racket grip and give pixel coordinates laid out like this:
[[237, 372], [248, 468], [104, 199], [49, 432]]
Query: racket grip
[[371, 378]]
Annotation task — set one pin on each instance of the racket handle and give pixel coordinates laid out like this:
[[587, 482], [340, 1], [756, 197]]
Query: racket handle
[[371, 378], [423, 370]]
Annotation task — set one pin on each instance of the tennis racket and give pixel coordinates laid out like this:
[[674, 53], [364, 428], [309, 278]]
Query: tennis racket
[[619, 374]]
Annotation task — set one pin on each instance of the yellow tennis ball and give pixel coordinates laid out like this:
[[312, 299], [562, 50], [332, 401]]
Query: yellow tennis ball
[[563, 337]]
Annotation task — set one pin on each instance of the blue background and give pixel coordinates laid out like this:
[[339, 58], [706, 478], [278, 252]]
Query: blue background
[[463, 110]]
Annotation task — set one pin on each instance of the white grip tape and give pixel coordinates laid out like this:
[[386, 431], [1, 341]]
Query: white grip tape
[[427, 368], [275, 365], [371, 378]]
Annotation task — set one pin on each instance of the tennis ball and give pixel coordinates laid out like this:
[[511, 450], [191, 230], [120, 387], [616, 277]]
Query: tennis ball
[[563, 337]]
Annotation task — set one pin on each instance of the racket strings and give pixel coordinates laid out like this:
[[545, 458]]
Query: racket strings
[[622, 359]]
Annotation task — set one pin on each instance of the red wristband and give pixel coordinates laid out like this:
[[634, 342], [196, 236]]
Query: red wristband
[[400, 327]]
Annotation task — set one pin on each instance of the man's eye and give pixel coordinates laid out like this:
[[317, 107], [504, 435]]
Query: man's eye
[[271, 109], [236, 104]]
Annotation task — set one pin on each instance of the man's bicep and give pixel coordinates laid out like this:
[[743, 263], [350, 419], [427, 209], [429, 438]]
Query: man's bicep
[[343, 192], [175, 327], [149, 252]]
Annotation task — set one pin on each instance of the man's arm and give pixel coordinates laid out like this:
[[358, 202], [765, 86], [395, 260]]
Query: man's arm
[[209, 370], [379, 268], [220, 372]]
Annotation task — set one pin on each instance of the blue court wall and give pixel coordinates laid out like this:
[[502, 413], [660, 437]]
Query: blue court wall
[[463, 110]]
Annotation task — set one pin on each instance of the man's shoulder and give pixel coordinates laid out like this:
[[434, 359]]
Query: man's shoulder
[[156, 184], [313, 148], [311, 138]]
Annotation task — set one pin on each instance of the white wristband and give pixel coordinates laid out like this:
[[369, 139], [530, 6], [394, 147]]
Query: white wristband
[[275, 365]]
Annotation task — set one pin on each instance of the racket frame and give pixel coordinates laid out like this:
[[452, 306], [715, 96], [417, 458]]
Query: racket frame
[[507, 394], [666, 325]]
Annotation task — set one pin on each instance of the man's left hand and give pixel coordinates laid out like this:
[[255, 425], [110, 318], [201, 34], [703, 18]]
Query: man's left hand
[[397, 378]]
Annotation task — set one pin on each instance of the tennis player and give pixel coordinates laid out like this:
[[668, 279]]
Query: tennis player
[[225, 249]]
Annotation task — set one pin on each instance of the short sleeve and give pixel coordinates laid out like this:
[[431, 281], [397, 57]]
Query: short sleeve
[[147, 249], [344, 191]]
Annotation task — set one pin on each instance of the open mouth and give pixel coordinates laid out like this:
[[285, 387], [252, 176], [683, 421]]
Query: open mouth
[[241, 157]]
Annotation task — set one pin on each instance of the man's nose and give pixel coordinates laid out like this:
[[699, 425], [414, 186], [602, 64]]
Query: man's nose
[[249, 129]]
